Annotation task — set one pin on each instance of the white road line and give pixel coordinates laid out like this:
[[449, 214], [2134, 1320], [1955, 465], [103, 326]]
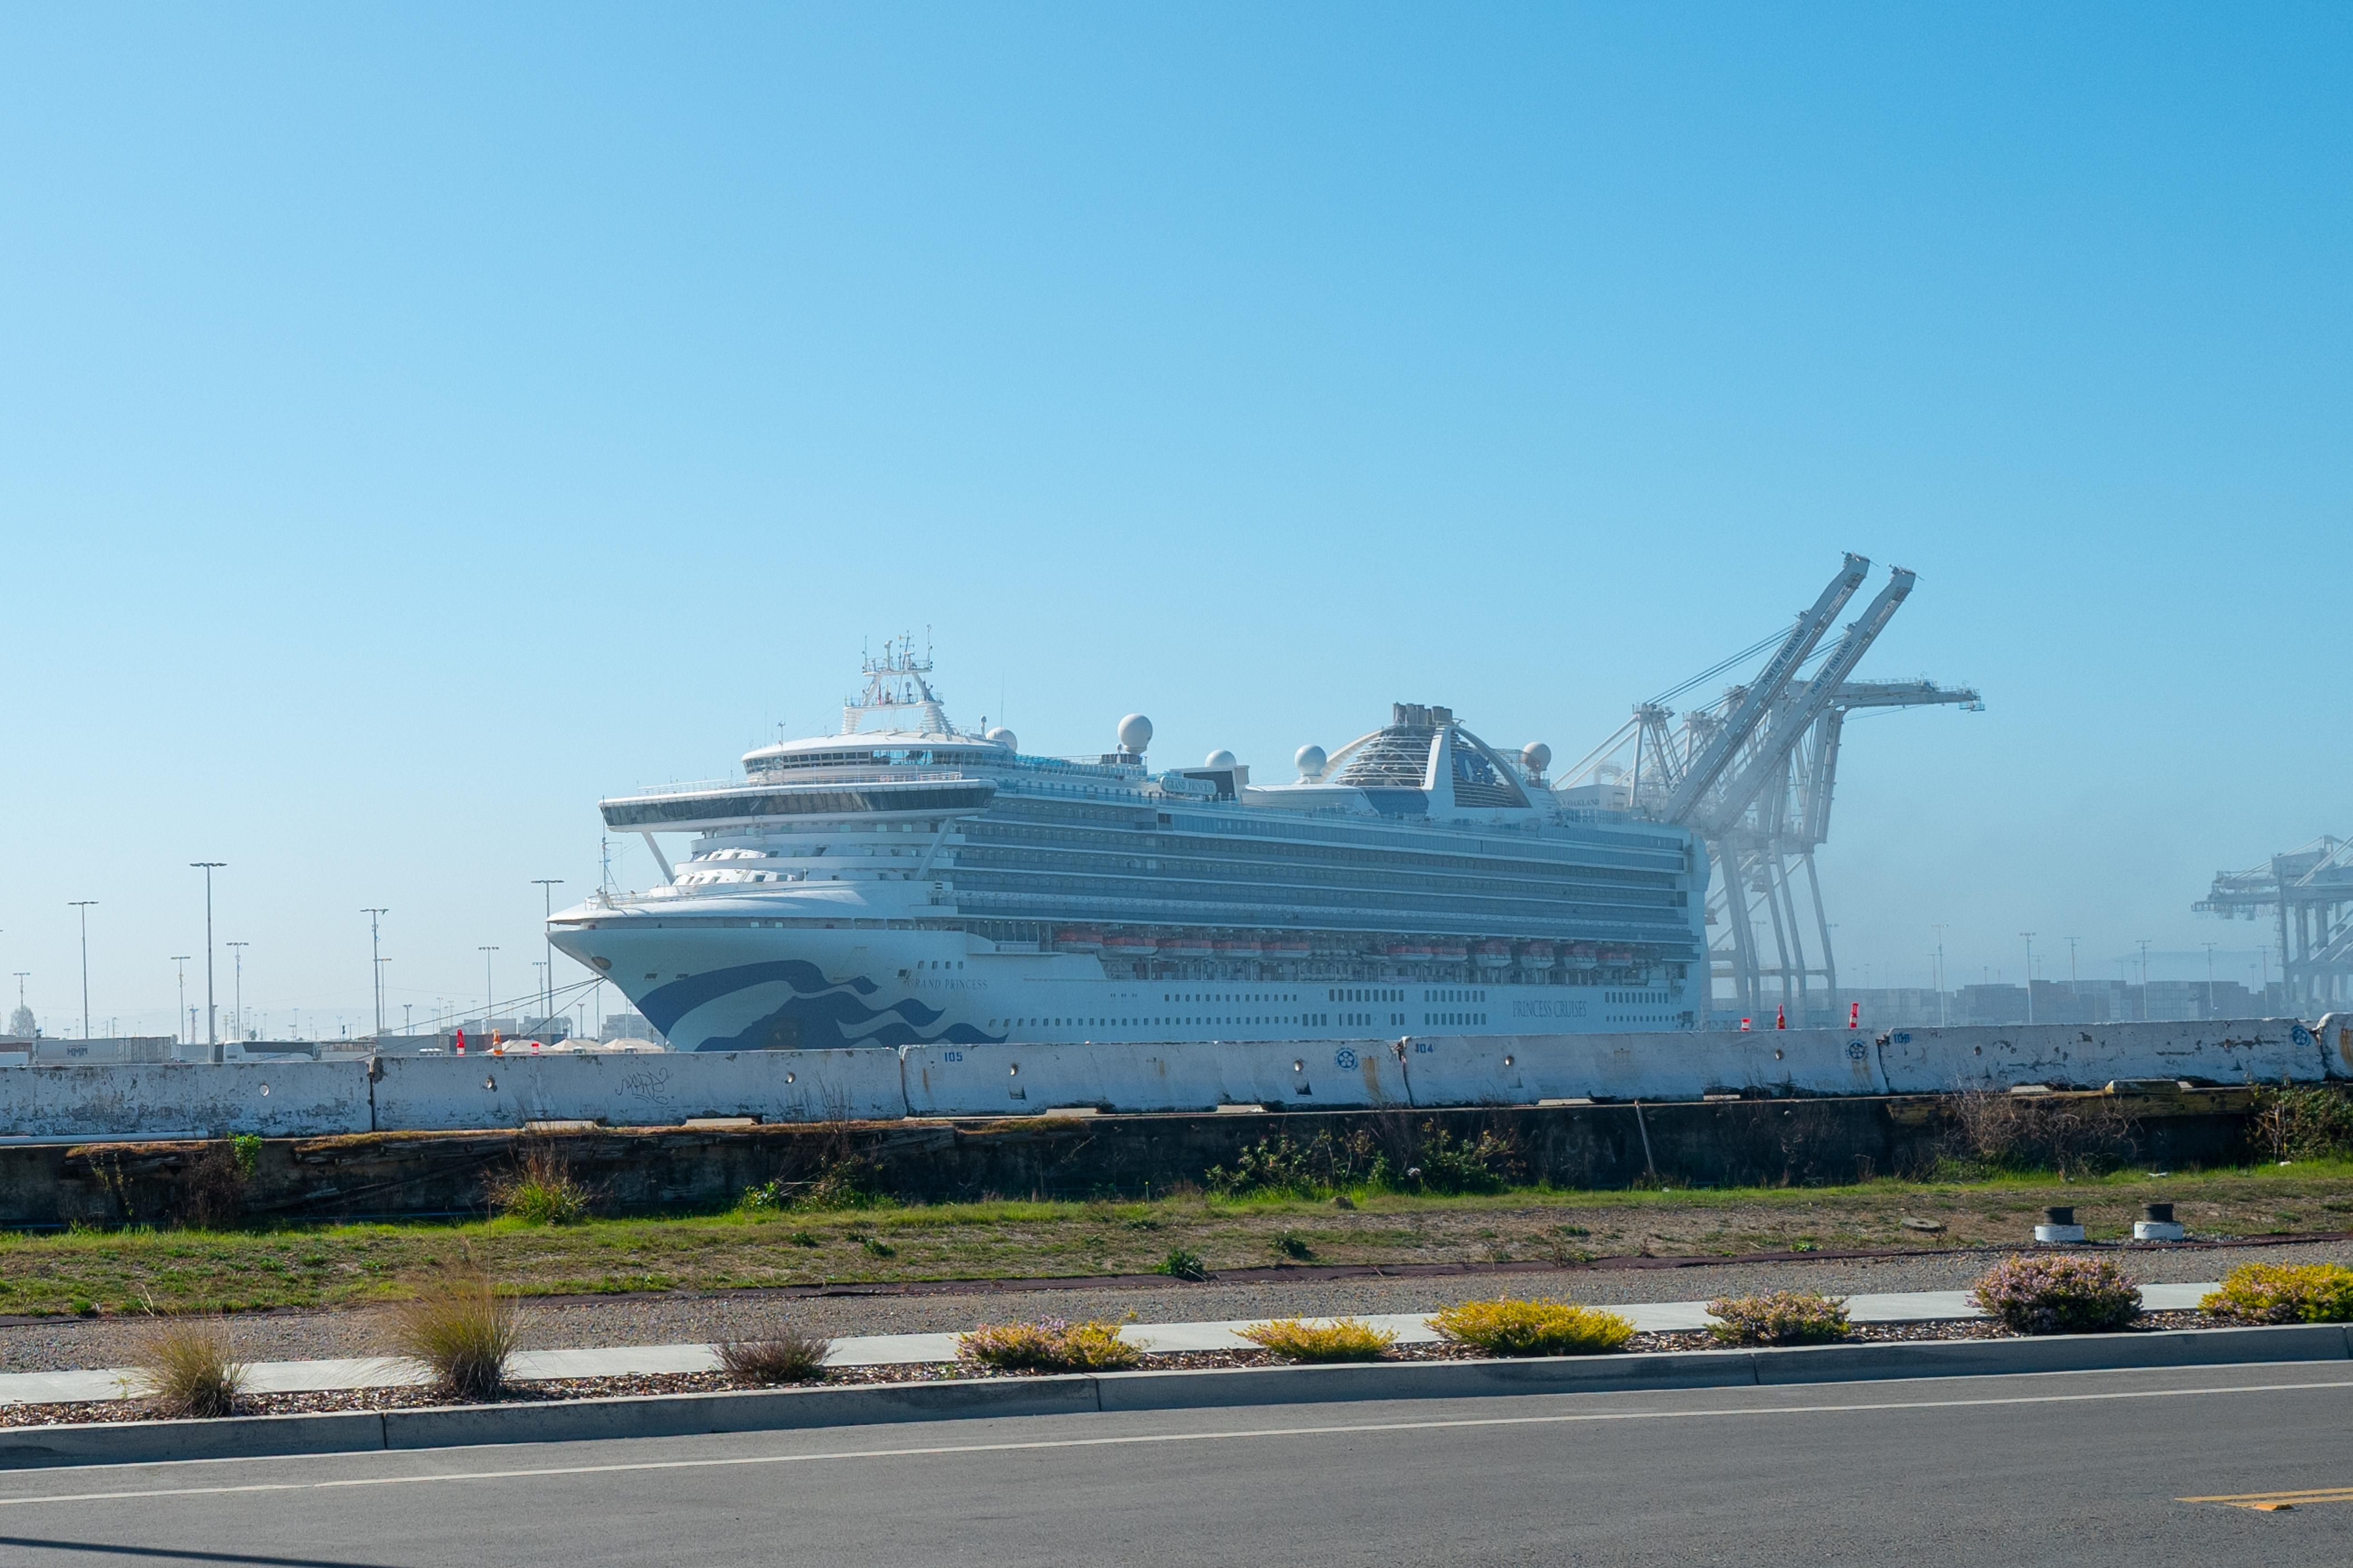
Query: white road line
[[1241, 1434]]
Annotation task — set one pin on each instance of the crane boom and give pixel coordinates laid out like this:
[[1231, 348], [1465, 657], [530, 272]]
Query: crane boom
[[1768, 759], [1767, 690]]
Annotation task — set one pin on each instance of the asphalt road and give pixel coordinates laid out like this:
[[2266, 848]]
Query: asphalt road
[[2075, 1468]]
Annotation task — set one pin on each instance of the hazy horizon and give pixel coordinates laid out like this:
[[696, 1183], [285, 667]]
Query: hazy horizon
[[421, 423]]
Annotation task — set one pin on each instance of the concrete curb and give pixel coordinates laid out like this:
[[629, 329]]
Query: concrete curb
[[775, 1410]]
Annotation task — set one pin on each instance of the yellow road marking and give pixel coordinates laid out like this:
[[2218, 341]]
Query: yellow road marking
[[2276, 1502]]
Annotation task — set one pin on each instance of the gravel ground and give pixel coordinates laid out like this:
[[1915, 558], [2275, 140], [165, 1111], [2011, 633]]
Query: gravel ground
[[682, 1318]]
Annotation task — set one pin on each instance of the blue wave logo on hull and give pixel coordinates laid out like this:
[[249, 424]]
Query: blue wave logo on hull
[[820, 1012]]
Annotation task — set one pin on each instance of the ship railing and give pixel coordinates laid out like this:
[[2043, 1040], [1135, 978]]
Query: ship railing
[[774, 782]]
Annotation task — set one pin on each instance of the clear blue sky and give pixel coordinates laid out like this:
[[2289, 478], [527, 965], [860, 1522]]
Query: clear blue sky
[[418, 421]]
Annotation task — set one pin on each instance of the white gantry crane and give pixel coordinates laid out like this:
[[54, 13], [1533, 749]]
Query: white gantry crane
[[2311, 889], [1753, 775]]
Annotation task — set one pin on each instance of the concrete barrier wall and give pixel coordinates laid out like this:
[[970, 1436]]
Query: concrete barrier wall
[[451, 1093], [1012, 1079], [1469, 1069], [163, 1100], [2335, 1034], [2255, 1050]]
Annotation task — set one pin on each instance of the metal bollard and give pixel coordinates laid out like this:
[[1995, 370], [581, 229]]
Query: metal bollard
[[2157, 1223], [2059, 1225]]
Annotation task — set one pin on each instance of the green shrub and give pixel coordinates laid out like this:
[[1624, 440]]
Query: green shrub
[[1780, 1318], [1278, 1166], [1290, 1244], [767, 1199], [783, 1357], [1049, 1345], [183, 1367], [1445, 1163], [2303, 1122], [2283, 1293], [460, 1329], [2063, 1295], [1342, 1339], [1183, 1263], [1509, 1327]]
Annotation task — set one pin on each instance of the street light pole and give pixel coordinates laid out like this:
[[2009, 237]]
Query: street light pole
[[2030, 975], [1944, 1008], [376, 959], [180, 1019], [2144, 980], [547, 885], [83, 905], [2210, 980], [489, 994], [211, 1018], [240, 947]]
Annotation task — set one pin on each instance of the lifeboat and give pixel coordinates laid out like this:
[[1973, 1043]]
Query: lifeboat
[[1617, 955], [1448, 952], [1536, 956], [1129, 947], [1406, 952], [1494, 956], [1187, 946], [1238, 947], [1288, 947], [1079, 939]]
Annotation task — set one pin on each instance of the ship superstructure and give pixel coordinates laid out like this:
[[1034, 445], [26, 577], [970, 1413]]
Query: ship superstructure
[[906, 881]]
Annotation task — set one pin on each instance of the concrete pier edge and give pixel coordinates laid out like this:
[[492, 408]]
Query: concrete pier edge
[[772, 1410]]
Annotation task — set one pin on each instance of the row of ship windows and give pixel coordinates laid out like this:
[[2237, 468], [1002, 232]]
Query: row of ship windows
[[1635, 997], [1604, 859], [1364, 993], [1307, 1020], [1454, 1017], [984, 844]]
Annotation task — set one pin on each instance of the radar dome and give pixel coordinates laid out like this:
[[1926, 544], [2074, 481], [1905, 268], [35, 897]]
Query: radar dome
[[1003, 737], [1134, 732], [1220, 758], [1536, 755], [1311, 760]]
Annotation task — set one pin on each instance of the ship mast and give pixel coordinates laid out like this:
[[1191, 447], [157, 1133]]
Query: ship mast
[[897, 692]]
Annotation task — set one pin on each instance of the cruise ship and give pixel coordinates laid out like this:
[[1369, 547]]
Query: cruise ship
[[907, 881]]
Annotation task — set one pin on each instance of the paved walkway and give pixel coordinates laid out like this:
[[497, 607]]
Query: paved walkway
[[892, 1349]]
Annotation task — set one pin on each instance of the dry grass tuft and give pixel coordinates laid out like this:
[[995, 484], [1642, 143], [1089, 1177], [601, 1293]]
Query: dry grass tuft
[[183, 1367], [1342, 1339], [462, 1329], [783, 1357], [541, 1190]]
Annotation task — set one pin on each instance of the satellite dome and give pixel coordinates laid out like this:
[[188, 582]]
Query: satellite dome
[[1220, 758], [1536, 755], [1134, 732], [1003, 737], [1311, 760]]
